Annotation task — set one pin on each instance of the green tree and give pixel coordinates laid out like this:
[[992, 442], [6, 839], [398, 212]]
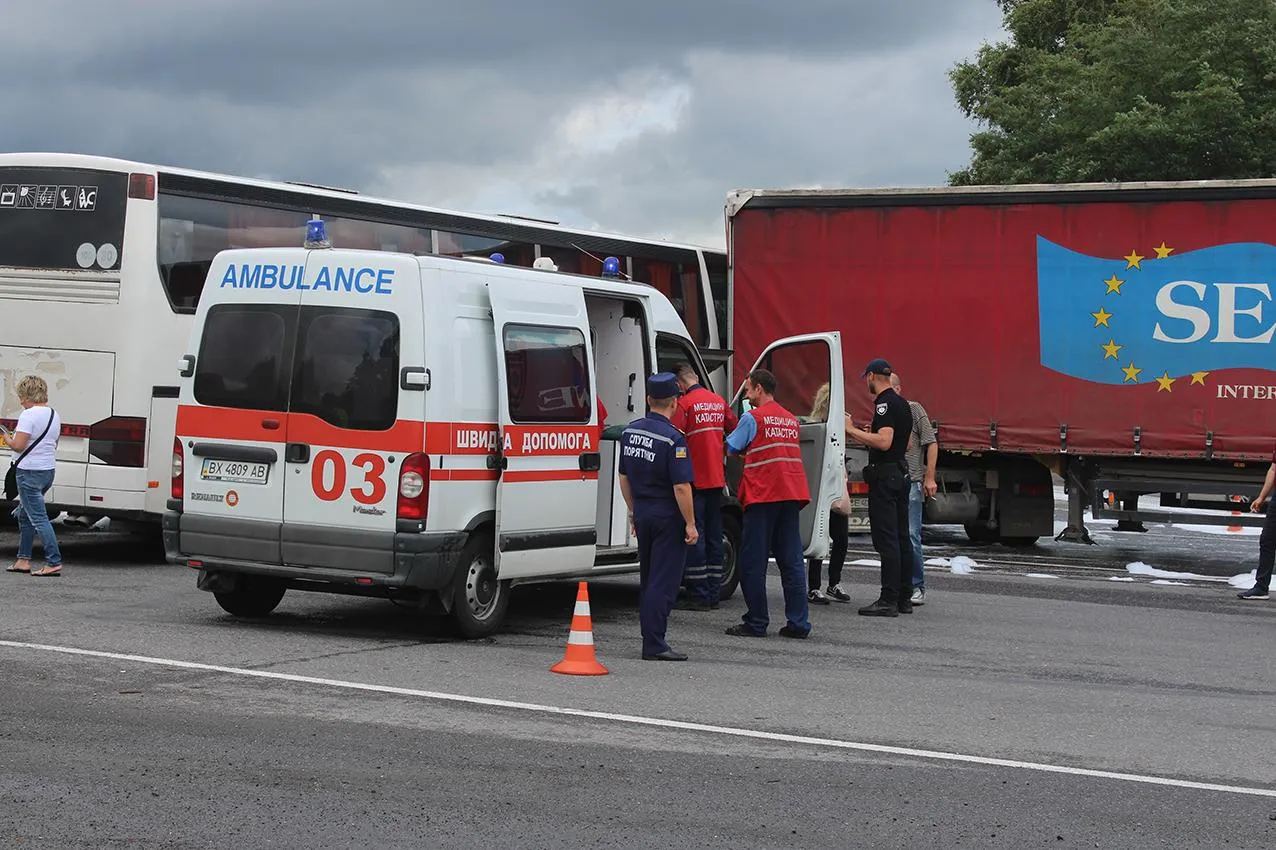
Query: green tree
[[1123, 90]]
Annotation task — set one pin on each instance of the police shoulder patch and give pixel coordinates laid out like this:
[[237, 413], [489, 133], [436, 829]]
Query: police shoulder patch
[[680, 452], [881, 410]]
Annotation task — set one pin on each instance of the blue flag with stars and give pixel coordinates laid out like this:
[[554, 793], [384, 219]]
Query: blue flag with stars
[[1137, 320]]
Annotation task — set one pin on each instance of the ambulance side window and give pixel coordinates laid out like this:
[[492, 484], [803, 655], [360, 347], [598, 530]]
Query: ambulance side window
[[670, 351], [548, 374], [802, 379], [244, 356], [348, 367]]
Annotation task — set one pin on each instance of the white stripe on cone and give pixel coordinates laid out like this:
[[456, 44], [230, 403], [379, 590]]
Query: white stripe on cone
[[581, 638], [582, 608]]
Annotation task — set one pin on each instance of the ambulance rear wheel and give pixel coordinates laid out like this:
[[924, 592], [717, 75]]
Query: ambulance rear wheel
[[479, 598], [730, 556], [253, 596]]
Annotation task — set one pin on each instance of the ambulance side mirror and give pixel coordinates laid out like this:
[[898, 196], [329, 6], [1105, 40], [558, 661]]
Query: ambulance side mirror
[[186, 366]]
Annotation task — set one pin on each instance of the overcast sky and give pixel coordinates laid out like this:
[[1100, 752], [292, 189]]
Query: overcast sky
[[635, 116]]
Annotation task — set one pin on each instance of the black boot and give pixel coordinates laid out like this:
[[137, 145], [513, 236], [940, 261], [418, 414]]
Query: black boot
[[880, 608]]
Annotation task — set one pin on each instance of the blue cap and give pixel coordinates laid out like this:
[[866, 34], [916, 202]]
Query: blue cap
[[876, 367], [662, 385]]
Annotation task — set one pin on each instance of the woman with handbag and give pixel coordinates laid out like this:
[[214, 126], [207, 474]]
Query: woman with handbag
[[31, 475], [839, 529]]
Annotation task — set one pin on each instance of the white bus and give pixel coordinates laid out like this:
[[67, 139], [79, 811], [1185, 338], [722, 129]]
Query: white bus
[[102, 262]]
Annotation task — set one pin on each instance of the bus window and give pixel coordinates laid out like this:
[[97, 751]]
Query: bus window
[[193, 230], [680, 283], [48, 215], [717, 265], [567, 259], [377, 236], [465, 245]]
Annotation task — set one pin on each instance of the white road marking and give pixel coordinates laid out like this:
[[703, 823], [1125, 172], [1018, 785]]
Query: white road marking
[[635, 720]]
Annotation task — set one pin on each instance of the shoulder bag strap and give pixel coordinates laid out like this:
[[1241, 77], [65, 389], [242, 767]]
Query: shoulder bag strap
[[34, 443]]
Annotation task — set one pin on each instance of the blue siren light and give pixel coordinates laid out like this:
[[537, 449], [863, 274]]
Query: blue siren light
[[611, 267], [317, 234], [498, 257]]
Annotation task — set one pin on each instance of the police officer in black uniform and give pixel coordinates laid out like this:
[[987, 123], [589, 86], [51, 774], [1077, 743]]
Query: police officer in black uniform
[[888, 484], [656, 479]]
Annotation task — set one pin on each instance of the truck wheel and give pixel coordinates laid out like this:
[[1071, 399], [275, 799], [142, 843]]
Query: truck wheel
[[253, 596], [479, 598], [730, 556], [1019, 542], [980, 533]]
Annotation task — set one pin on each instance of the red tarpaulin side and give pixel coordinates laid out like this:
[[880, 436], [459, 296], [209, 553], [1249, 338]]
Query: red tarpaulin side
[[949, 296]]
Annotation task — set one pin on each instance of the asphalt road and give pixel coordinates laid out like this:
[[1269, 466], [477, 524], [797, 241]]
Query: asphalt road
[[343, 723]]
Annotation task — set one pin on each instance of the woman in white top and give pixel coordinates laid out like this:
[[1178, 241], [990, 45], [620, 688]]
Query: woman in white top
[[35, 474]]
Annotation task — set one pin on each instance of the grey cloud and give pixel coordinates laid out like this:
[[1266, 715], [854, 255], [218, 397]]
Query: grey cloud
[[462, 104]]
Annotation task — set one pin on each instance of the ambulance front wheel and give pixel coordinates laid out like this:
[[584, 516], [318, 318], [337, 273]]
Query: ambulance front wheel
[[479, 598], [730, 556], [253, 596]]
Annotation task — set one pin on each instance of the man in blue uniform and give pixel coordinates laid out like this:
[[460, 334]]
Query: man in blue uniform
[[655, 479]]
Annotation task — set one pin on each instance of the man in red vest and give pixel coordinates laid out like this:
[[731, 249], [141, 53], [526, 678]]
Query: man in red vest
[[704, 417], [773, 491]]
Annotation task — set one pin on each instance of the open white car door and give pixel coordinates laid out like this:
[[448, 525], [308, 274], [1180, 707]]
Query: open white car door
[[802, 365]]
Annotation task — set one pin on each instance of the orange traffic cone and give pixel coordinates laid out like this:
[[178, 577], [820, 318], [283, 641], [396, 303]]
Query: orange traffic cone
[[580, 660]]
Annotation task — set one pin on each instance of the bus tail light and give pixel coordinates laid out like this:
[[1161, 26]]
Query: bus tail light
[[141, 186], [119, 441], [179, 470], [414, 487]]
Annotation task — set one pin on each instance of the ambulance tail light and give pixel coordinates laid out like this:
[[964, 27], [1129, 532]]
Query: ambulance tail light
[[414, 487], [179, 470], [119, 441]]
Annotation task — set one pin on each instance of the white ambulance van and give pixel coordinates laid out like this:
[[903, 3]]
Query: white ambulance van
[[425, 429]]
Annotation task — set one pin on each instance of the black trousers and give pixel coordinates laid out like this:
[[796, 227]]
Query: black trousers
[[888, 512], [1267, 549], [839, 534]]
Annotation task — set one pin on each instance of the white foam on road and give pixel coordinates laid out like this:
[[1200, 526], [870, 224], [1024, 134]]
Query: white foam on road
[[866, 562], [1039, 575], [960, 565], [1122, 578], [637, 720], [1167, 582], [1244, 581], [1139, 568]]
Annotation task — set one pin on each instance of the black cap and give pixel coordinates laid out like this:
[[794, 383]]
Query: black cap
[[876, 367]]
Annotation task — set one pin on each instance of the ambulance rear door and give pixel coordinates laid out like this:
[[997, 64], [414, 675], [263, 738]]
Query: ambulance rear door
[[802, 365], [232, 406], [547, 494], [356, 411]]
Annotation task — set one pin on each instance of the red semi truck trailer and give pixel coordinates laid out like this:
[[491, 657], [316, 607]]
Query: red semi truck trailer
[[1118, 335]]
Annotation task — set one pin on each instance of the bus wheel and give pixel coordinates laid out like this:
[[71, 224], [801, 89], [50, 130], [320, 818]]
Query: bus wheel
[[730, 556], [479, 598], [253, 596]]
